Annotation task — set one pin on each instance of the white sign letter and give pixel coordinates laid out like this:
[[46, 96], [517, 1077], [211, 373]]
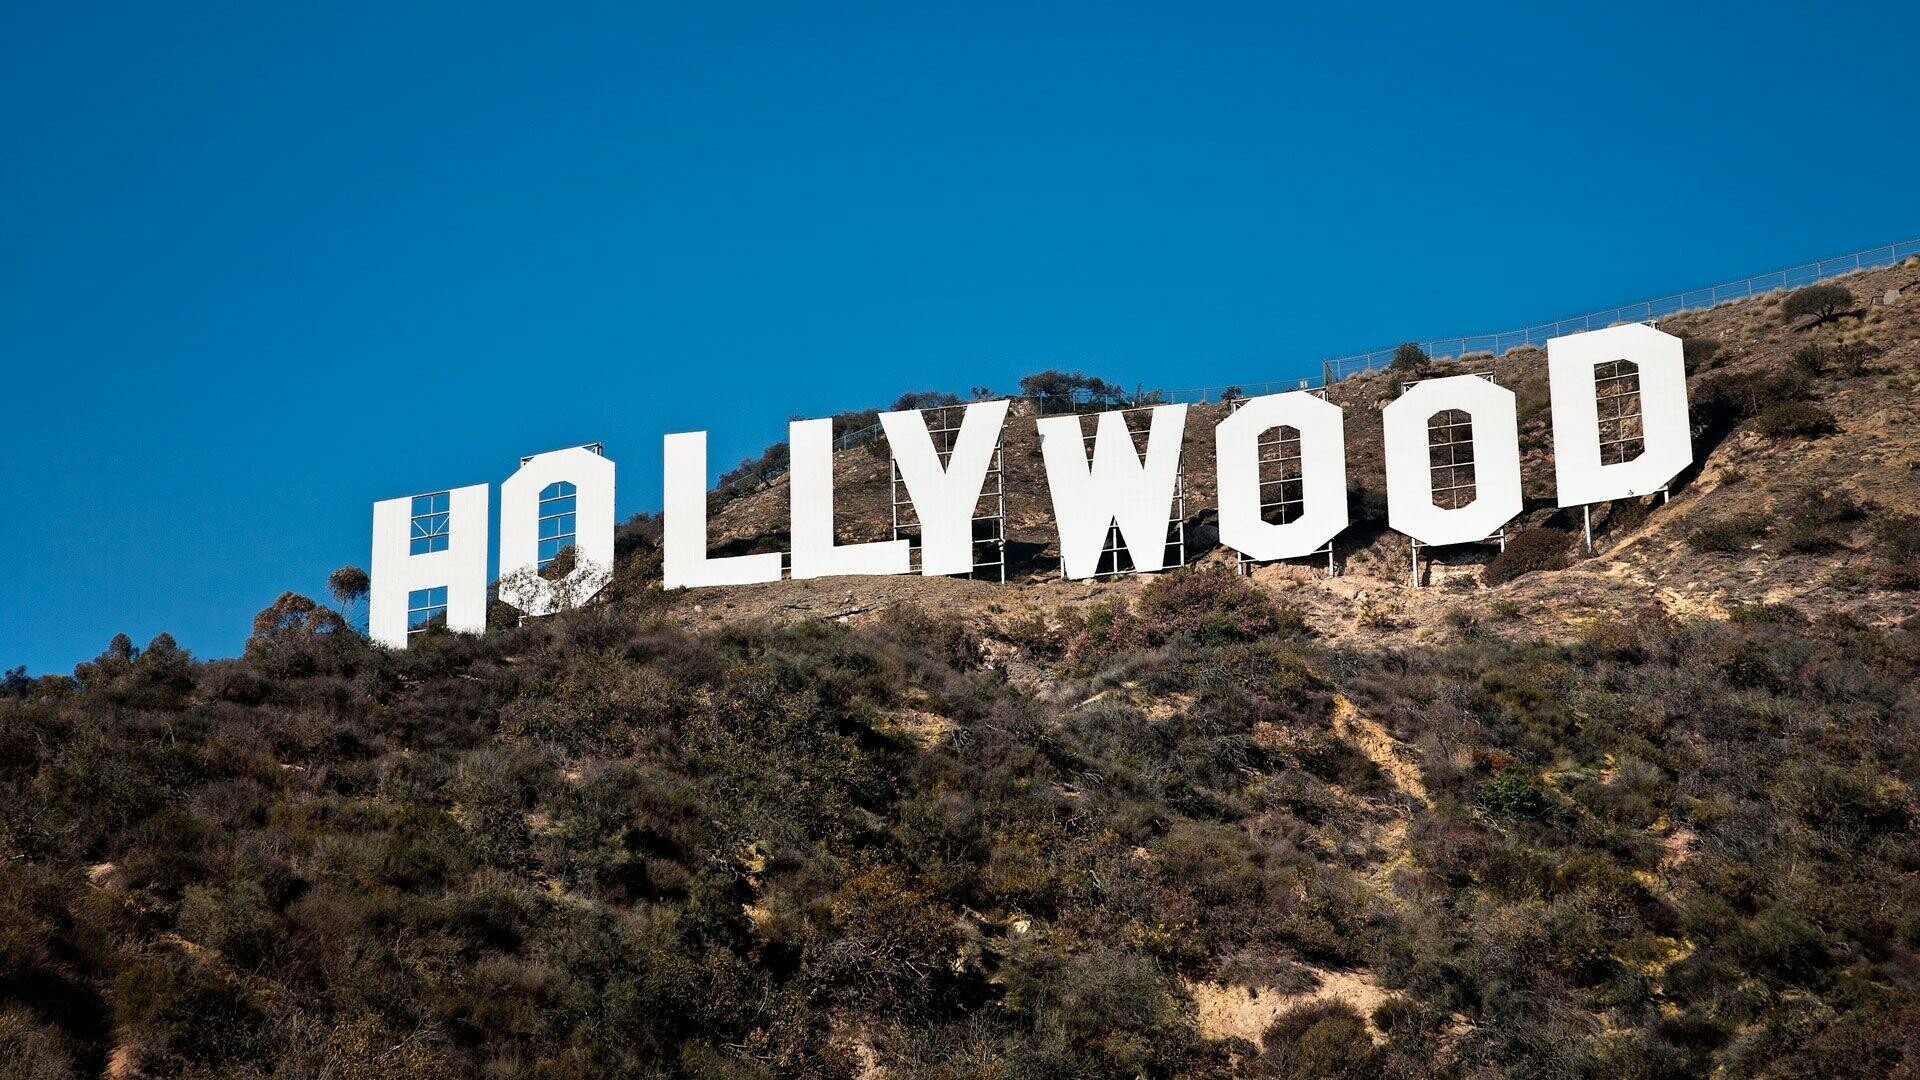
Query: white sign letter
[[1323, 475], [1117, 489], [554, 501], [810, 512], [945, 496], [429, 561], [1495, 458], [1667, 440], [687, 565]]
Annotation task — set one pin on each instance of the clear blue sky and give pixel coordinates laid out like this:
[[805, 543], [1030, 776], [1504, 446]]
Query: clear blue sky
[[260, 266]]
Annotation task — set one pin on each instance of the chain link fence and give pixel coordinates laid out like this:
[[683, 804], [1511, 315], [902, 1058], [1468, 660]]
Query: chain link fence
[[1451, 348], [1645, 311]]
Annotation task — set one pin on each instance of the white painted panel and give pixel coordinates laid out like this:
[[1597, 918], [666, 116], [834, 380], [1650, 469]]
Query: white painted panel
[[1118, 486], [945, 496], [1495, 454], [1579, 477], [1323, 472], [592, 476], [811, 513], [461, 569], [686, 562]]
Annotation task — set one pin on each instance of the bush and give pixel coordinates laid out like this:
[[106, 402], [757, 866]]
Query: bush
[[1326, 1039], [1367, 505], [1811, 358], [925, 399], [1848, 358], [349, 585], [1529, 550], [1822, 302], [1824, 506], [1408, 357], [1725, 398], [1061, 391], [752, 474], [1727, 535], [1767, 614], [1811, 538], [1213, 605], [1795, 418], [1699, 352], [1512, 792], [1818, 519], [1898, 536]]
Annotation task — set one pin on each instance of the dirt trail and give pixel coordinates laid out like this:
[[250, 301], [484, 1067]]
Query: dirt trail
[[1379, 745]]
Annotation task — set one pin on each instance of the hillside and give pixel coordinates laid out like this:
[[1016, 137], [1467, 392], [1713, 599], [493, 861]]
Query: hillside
[[1649, 813], [1742, 360]]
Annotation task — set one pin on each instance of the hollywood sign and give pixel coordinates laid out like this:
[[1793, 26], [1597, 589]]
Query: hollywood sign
[[430, 551]]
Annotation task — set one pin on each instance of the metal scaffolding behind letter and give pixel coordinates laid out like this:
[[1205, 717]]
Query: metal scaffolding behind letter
[[1283, 495], [989, 511], [1450, 464], [1114, 557]]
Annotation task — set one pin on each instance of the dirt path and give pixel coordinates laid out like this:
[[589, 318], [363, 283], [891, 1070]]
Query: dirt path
[[1366, 734]]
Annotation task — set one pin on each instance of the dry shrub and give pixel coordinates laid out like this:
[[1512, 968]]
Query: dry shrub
[[1530, 550], [1795, 418]]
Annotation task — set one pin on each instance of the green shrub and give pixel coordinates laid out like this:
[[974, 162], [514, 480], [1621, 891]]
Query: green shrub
[[31, 1051], [1822, 302], [1062, 391], [1511, 792], [1722, 399], [1850, 357], [192, 1011], [1783, 944], [1822, 505], [1810, 538], [1408, 357], [1795, 418], [925, 399], [1327, 1039], [1767, 614]]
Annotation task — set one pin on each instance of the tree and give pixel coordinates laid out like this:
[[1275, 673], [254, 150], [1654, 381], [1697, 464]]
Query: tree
[[290, 635], [290, 614], [925, 399], [1062, 391], [1408, 356], [1822, 302], [349, 586]]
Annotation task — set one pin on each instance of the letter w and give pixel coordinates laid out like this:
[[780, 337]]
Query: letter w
[[1117, 489]]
